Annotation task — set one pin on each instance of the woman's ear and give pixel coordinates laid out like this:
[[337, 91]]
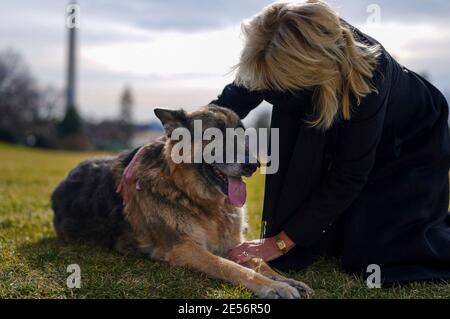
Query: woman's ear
[[172, 119]]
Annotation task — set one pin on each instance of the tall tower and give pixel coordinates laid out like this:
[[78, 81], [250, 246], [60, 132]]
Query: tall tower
[[70, 129], [72, 23]]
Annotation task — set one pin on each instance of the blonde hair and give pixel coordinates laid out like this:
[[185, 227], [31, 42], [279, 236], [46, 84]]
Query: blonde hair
[[292, 46]]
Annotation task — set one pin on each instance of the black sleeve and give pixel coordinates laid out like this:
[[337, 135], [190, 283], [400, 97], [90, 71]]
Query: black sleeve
[[239, 99], [351, 164]]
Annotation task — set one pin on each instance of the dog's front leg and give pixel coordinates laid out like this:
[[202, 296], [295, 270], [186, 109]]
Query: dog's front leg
[[264, 269], [191, 255]]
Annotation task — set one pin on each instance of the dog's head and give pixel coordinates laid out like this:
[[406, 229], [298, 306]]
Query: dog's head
[[212, 152]]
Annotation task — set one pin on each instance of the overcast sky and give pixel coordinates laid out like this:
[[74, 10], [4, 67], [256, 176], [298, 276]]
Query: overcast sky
[[177, 53]]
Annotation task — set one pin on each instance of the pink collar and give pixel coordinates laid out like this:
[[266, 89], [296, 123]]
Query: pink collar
[[129, 181]]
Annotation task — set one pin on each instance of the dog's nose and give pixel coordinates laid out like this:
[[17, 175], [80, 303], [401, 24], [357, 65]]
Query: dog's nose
[[249, 168]]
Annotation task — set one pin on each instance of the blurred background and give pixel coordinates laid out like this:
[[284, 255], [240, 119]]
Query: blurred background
[[94, 85]]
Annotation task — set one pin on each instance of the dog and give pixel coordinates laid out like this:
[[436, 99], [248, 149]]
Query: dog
[[187, 214]]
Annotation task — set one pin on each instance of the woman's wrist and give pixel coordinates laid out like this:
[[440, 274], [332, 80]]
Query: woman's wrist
[[289, 244]]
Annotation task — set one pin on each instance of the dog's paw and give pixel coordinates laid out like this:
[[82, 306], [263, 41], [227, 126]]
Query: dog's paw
[[279, 290], [302, 288]]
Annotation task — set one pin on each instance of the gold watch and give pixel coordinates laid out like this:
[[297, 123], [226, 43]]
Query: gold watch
[[281, 245]]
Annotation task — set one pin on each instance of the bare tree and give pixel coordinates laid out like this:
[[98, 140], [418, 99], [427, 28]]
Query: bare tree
[[18, 95], [51, 104], [26, 111]]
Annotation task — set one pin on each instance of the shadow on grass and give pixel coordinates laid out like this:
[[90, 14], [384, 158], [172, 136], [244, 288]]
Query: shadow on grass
[[106, 274], [41, 272]]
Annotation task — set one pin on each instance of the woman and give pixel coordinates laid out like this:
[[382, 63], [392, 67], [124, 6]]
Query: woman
[[364, 148]]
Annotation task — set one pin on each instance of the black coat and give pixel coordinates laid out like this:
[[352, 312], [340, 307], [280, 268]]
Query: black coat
[[375, 189]]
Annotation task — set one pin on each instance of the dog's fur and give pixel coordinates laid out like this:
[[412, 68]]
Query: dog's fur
[[180, 215]]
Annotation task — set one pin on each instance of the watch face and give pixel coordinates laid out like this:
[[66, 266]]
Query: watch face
[[281, 244]]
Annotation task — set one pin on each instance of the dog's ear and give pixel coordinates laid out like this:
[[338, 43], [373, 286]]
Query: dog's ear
[[172, 119]]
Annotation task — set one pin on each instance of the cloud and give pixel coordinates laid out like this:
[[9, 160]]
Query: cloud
[[176, 15], [177, 52], [398, 11], [198, 15], [423, 48], [171, 53]]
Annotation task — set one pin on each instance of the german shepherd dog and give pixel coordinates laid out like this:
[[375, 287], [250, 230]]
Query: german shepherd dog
[[184, 214]]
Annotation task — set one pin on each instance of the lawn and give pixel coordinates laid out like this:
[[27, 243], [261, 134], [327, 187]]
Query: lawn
[[33, 262]]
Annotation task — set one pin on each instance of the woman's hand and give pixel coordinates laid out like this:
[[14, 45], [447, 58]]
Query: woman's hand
[[266, 249]]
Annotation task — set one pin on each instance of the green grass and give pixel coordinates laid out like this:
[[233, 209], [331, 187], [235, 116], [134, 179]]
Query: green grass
[[33, 262]]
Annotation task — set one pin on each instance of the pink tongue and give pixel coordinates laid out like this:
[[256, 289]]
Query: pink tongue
[[237, 191]]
